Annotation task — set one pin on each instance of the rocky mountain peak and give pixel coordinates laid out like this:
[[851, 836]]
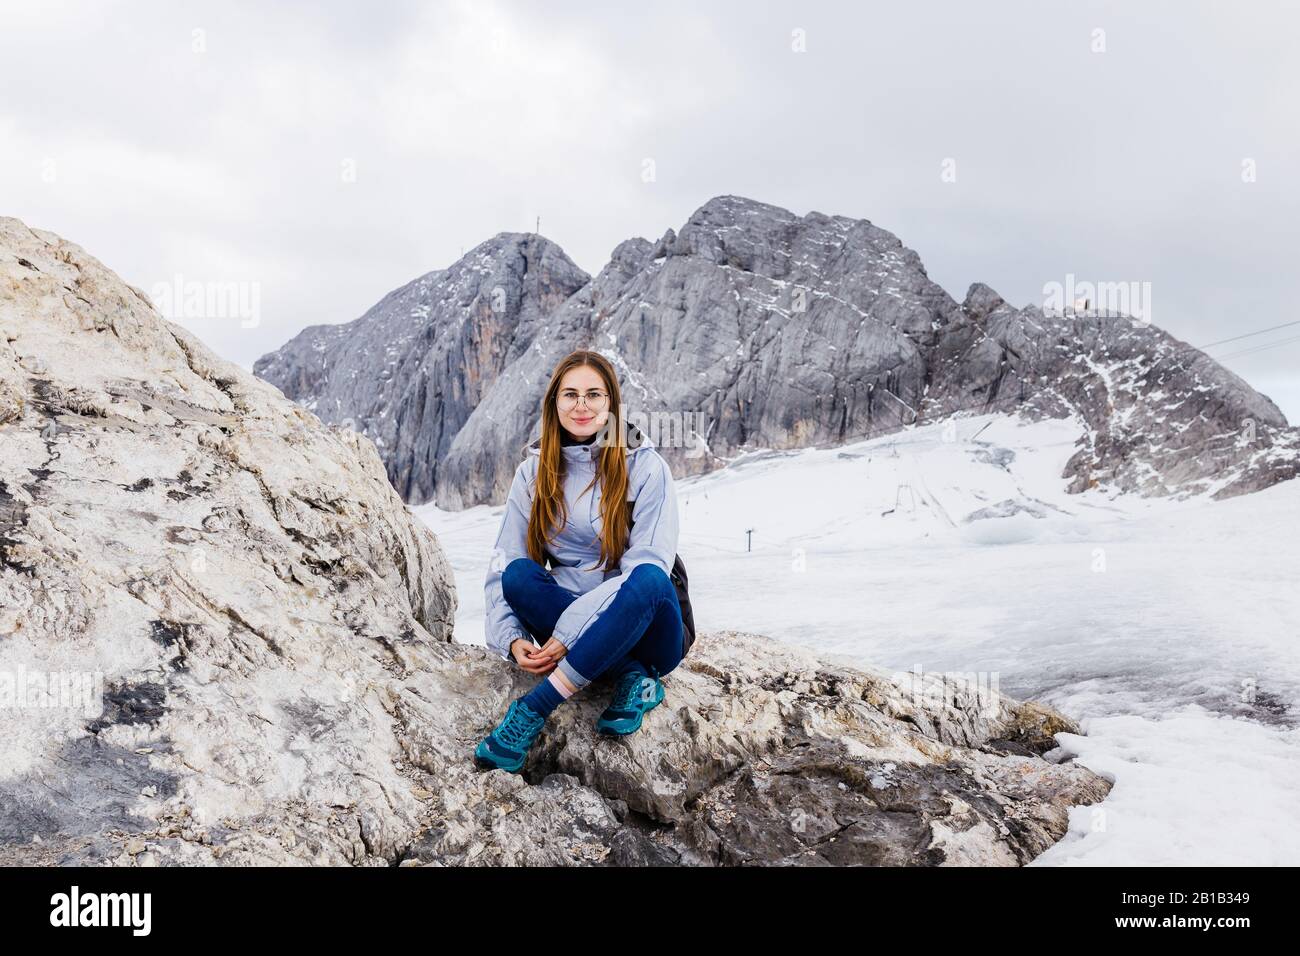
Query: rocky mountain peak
[[409, 372], [754, 327], [980, 301]]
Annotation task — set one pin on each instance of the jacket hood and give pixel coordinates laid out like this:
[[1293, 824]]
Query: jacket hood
[[637, 440]]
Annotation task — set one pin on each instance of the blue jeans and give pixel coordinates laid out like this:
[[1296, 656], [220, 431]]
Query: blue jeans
[[642, 623]]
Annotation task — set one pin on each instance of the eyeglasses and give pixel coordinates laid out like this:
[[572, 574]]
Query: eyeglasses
[[594, 399]]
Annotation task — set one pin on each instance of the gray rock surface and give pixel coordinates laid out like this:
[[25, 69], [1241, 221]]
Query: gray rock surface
[[760, 755], [269, 627], [498, 430], [233, 576], [752, 328], [409, 372], [1161, 417]]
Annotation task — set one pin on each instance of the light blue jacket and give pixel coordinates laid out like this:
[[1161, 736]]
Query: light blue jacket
[[653, 538]]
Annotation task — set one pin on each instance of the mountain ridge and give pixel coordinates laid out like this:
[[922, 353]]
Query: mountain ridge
[[782, 331]]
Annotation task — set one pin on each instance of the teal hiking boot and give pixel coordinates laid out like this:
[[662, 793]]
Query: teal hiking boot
[[506, 748], [635, 695]]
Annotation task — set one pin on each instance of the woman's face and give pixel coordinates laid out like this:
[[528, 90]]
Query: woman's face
[[582, 418]]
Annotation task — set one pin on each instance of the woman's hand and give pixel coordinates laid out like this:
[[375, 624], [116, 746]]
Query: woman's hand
[[537, 660], [553, 650]]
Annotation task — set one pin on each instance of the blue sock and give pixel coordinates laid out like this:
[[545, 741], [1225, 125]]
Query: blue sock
[[543, 698]]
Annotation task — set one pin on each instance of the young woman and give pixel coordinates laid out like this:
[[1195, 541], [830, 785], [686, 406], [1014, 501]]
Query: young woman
[[594, 497]]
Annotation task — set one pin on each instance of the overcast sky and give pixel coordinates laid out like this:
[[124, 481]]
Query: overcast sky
[[324, 153]]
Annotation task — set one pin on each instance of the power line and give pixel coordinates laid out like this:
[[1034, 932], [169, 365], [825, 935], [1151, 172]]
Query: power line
[[1246, 335], [1259, 348]]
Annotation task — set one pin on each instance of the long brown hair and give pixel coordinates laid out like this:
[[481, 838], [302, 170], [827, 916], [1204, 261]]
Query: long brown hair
[[549, 512]]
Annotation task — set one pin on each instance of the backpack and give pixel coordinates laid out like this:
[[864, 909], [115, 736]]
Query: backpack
[[678, 576]]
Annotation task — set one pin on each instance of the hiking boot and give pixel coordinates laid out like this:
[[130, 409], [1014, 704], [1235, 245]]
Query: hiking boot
[[635, 695], [506, 748]]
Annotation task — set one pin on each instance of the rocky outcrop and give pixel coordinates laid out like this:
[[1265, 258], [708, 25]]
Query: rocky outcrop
[[409, 372], [752, 327], [223, 639], [760, 755], [179, 541], [1161, 417]]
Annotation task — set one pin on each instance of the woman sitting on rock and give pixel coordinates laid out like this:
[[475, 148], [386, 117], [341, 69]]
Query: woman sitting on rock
[[596, 499]]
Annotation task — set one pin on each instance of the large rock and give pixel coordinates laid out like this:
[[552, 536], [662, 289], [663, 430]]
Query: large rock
[[760, 754], [753, 328], [271, 630], [238, 575]]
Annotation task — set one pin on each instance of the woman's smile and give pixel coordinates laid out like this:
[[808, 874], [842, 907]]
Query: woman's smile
[[582, 401]]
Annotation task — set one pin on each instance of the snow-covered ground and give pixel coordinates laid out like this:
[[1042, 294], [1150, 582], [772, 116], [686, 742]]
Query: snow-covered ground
[[1167, 629]]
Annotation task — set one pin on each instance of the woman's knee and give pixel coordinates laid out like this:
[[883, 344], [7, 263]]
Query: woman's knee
[[652, 577], [517, 574]]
